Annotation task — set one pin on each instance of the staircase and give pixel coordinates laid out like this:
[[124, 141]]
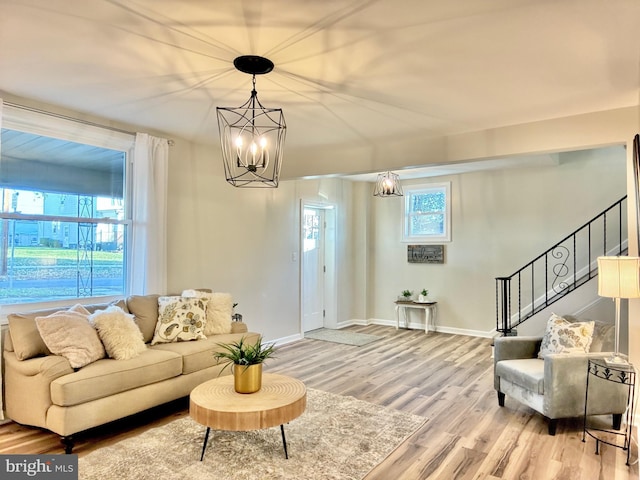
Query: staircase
[[560, 270]]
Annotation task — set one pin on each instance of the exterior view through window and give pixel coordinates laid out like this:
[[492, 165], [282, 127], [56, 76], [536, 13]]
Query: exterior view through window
[[63, 219], [427, 213]]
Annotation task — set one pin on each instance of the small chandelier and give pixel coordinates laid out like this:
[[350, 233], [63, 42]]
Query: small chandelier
[[252, 136], [388, 185]]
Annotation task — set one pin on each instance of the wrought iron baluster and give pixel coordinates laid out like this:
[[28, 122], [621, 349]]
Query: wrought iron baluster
[[561, 284]]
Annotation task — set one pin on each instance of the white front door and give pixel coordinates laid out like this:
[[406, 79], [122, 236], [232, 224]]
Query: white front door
[[313, 268]]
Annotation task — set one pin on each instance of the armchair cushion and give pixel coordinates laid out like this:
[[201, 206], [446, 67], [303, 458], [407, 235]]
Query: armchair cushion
[[527, 373]]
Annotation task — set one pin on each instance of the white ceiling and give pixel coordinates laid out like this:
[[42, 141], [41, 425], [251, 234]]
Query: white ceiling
[[347, 72]]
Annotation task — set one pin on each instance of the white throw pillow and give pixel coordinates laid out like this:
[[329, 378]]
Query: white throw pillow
[[119, 333], [219, 310], [69, 334], [562, 336], [180, 319]]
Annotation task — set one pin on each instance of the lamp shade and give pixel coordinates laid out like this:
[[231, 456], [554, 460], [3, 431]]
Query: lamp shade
[[388, 185], [619, 277]]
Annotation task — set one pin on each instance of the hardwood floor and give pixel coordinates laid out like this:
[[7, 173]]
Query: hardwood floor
[[445, 378]]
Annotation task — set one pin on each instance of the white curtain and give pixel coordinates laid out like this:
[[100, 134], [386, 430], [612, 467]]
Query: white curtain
[[148, 273]]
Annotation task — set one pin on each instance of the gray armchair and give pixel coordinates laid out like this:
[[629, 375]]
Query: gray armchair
[[555, 386]]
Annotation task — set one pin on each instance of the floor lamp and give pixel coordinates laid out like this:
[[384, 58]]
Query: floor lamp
[[618, 277]]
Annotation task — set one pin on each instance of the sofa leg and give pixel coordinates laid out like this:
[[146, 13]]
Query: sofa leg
[[553, 423], [69, 442], [501, 399], [617, 421]]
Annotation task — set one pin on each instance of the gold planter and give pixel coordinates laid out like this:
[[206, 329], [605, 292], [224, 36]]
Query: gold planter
[[247, 378]]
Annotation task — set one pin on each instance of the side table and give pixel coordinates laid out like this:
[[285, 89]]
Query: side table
[[620, 376], [429, 313]]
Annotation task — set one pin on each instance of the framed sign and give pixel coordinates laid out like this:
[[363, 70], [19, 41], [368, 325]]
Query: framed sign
[[425, 253]]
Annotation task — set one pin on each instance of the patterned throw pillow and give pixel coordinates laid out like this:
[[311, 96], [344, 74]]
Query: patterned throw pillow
[[219, 310], [180, 319], [562, 336]]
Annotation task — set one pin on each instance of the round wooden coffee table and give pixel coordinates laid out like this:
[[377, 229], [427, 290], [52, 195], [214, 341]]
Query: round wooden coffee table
[[215, 404]]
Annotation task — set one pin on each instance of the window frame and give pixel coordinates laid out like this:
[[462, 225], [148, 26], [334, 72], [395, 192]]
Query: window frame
[[65, 128], [423, 188]]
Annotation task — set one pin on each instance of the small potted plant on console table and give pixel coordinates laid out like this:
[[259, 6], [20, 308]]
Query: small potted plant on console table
[[246, 361], [406, 296], [422, 298]]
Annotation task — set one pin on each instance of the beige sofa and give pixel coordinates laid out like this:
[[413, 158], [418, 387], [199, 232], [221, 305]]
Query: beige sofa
[[43, 390]]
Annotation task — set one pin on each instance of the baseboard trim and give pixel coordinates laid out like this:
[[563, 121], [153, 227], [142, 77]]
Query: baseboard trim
[[289, 339], [392, 323], [419, 326]]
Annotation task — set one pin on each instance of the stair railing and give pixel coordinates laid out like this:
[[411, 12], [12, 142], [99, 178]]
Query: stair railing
[[564, 267]]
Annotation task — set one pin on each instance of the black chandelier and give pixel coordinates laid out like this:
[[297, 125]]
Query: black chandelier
[[251, 135], [388, 185]]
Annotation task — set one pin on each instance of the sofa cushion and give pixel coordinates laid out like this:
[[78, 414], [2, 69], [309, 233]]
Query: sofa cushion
[[239, 327], [69, 334], [199, 355], [25, 337], [527, 373], [145, 311], [562, 336], [121, 337], [180, 319], [108, 376], [90, 308]]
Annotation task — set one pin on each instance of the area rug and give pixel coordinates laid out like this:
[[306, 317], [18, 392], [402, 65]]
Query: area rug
[[336, 438], [341, 336]]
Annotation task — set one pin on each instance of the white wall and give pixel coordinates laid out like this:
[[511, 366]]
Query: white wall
[[242, 240], [500, 221]]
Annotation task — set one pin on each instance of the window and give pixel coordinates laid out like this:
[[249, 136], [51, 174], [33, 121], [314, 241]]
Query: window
[[63, 209], [427, 213]]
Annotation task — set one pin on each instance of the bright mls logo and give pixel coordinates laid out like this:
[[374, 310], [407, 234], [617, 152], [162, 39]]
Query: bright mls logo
[[49, 467]]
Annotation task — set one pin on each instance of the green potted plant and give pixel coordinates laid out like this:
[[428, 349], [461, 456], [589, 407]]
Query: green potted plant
[[406, 296], [423, 295], [246, 361]]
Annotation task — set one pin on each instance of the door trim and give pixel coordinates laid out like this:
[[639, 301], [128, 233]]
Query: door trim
[[330, 281]]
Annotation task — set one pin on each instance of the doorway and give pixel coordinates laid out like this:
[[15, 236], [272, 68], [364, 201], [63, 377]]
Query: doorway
[[317, 246]]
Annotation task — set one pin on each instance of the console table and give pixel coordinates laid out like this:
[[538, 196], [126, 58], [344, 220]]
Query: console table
[[429, 313]]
